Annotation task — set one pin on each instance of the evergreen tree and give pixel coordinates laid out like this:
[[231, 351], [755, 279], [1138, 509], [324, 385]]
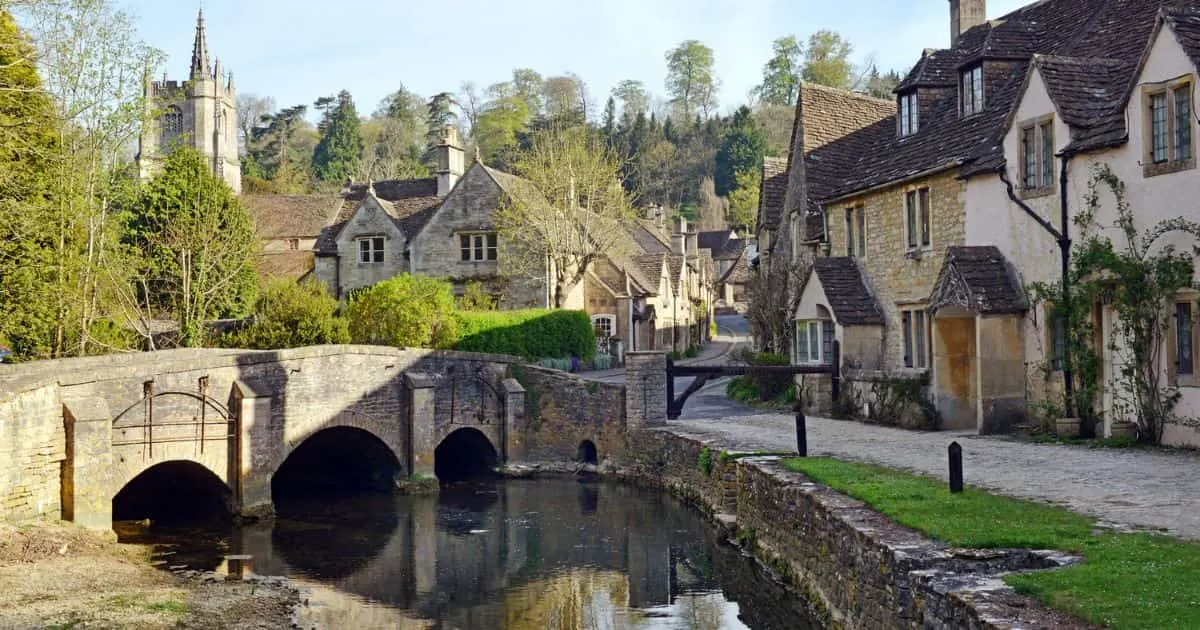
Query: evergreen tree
[[275, 153], [741, 150], [439, 114], [28, 139], [338, 155], [610, 120], [198, 245]]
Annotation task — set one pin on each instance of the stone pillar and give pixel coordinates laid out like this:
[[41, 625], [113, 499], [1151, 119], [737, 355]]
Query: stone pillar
[[646, 389], [87, 491], [514, 419], [422, 424], [255, 450]]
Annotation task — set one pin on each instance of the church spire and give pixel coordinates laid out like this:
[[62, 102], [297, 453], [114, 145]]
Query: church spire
[[200, 67]]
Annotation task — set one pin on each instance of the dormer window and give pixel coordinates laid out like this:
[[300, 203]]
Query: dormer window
[[971, 90], [909, 118]]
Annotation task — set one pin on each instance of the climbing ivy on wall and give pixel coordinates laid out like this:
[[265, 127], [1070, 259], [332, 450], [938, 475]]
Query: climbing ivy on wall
[[1138, 279]]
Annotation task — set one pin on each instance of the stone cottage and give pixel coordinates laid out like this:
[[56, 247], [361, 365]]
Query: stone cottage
[[929, 251]]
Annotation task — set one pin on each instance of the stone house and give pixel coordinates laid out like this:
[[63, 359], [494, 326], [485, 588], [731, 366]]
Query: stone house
[[288, 227], [932, 256], [200, 113]]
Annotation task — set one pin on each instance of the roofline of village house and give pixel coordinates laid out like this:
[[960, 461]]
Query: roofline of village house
[[896, 182]]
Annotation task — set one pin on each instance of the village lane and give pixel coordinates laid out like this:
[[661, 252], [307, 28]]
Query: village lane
[[1132, 487]]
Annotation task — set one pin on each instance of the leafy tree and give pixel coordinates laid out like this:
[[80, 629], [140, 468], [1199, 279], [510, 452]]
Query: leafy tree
[[882, 85], [564, 100], [741, 151], [198, 245], [527, 86], [827, 60], [504, 118], [338, 155], [691, 79], [279, 152], [395, 138], [406, 311], [781, 75], [776, 122], [474, 298], [743, 201], [568, 211], [290, 314], [633, 97]]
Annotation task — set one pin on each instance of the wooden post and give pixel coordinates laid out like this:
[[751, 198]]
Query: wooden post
[[801, 431], [956, 468], [672, 412], [836, 375]]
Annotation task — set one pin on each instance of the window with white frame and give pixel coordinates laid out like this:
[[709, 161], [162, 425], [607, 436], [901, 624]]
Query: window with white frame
[[370, 249], [917, 210], [1169, 128], [856, 232], [915, 324], [971, 90], [909, 116], [604, 325], [477, 247], [1037, 155], [814, 342]]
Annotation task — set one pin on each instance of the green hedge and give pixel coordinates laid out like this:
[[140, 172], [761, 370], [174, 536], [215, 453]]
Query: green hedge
[[534, 333]]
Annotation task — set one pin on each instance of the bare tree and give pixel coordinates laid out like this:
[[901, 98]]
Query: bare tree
[[568, 211], [250, 111], [470, 103], [774, 294]]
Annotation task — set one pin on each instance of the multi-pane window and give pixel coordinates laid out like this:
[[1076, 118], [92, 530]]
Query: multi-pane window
[[856, 232], [909, 117], [814, 342], [604, 325], [370, 249], [1037, 156], [478, 247], [293, 244], [173, 120], [915, 325], [971, 90], [1159, 150], [916, 208], [1185, 358], [1170, 129], [1183, 122]]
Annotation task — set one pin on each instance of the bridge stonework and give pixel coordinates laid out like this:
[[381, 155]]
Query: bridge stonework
[[74, 432]]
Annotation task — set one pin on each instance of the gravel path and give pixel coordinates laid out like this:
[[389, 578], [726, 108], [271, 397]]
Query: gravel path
[[1129, 487]]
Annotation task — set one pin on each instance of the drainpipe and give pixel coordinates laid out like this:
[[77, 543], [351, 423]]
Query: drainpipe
[[1063, 238]]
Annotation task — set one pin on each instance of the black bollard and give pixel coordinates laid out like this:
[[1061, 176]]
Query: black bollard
[[801, 433], [956, 473]]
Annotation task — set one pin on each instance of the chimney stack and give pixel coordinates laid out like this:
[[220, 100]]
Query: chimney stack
[[450, 159], [965, 15]]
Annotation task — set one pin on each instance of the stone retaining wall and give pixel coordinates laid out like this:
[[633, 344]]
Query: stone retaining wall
[[561, 412], [856, 567]]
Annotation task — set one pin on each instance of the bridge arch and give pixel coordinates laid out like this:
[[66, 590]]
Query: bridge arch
[[335, 460], [464, 454], [174, 490]]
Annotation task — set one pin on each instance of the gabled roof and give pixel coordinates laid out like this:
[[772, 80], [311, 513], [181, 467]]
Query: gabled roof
[[852, 302], [978, 279], [1185, 21], [1083, 29], [648, 237], [773, 192], [409, 202], [723, 244], [738, 273], [291, 216], [652, 267], [1089, 95]]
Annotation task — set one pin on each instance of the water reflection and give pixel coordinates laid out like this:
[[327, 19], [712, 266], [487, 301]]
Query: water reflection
[[518, 555]]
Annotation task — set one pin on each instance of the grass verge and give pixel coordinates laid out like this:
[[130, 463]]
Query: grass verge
[[1127, 581]]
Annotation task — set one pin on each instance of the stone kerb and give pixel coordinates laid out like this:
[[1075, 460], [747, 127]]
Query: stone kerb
[[646, 388]]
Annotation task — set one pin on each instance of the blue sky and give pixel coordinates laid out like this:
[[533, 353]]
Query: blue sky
[[299, 50]]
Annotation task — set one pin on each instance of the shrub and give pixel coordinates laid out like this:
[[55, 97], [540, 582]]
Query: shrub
[[533, 333], [755, 388], [691, 352], [405, 311], [290, 314]]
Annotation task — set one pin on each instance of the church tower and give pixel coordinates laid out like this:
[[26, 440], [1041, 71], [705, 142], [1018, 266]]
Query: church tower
[[200, 113]]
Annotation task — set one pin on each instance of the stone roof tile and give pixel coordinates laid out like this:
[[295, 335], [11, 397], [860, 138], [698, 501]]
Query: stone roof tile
[[852, 302], [978, 279], [291, 216], [409, 202], [773, 192]]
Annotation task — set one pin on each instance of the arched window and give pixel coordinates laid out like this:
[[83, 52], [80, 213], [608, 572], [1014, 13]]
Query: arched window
[[173, 120]]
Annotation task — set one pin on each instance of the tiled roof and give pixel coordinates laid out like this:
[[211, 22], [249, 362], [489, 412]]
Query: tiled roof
[[1185, 21], [714, 241], [409, 202], [652, 266], [675, 263], [1089, 95], [774, 190], [290, 216], [978, 279], [292, 264], [738, 273], [648, 238], [847, 292], [1111, 29]]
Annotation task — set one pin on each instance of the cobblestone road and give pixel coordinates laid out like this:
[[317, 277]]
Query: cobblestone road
[[1132, 487]]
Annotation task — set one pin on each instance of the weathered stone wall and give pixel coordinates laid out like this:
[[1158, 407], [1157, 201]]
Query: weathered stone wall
[[369, 220], [901, 280], [561, 411], [32, 449], [856, 567]]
